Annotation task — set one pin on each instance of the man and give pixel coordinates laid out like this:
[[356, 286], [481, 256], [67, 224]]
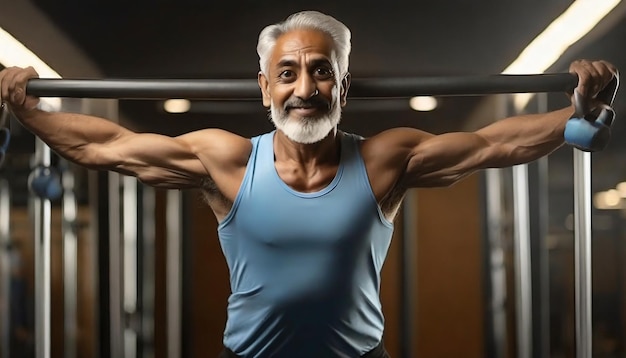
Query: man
[[305, 212]]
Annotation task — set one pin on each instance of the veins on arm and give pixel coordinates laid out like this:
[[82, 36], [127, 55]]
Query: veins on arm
[[156, 160], [447, 158], [404, 158]]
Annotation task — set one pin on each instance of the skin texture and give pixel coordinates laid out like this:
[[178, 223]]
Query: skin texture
[[301, 66]]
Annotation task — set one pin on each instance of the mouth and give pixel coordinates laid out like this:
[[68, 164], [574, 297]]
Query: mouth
[[305, 111]]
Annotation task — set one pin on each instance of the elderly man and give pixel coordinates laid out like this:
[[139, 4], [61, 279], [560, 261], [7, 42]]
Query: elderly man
[[306, 211]]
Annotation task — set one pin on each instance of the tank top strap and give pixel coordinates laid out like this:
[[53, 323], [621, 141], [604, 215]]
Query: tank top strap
[[351, 155], [244, 188], [266, 147]]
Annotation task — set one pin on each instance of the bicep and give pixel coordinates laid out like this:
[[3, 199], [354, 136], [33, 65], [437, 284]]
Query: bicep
[[408, 157], [154, 159]]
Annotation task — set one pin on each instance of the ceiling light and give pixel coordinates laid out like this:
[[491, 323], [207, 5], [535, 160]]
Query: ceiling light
[[14, 53], [423, 103], [606, 200], [580, 18], [176, 105], [612, 198], [621, 188]]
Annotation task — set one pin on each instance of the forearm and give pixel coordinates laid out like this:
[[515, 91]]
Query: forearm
[[524, 138], [71, 135]]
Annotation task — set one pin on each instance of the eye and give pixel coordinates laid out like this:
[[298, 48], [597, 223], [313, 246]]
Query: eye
[[323, 72], [287, 75]]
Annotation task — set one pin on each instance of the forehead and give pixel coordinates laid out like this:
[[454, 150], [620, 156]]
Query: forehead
[[303, 42]]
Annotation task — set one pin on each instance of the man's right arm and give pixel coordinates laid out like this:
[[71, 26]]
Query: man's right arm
[[100, 144], [97, 143]]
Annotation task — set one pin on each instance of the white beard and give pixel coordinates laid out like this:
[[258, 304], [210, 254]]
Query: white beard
[[306, 130]]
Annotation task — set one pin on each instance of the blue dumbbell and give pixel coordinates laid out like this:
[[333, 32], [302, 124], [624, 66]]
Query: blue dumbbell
[[589, 130], [45, 182], [590, 133]]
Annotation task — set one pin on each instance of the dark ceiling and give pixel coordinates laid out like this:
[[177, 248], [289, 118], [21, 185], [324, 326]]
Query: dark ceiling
[[208, 39]]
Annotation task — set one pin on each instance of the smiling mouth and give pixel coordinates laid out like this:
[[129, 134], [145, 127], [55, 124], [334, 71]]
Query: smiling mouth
[[305, 111]]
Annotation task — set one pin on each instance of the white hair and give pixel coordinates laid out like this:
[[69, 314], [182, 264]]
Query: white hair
[[314, 20]]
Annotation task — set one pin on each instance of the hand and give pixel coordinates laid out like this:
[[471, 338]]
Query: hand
[[13, 82], [593, 77]]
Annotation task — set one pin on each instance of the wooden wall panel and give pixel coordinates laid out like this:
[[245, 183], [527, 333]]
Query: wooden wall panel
[[22, 235], [449, 315], [390, 294], [210, 287]]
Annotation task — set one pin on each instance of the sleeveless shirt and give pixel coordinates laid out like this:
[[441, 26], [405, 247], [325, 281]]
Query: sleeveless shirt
[[304, 267]]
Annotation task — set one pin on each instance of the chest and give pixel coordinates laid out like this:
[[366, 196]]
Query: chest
[[306, 180], [287, 221]]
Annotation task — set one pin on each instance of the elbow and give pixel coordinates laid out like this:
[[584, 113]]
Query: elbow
[[149, 178], [440, 181], [451, 180]]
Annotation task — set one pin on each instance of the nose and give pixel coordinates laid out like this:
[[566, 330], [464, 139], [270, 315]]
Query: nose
[[305, 87]]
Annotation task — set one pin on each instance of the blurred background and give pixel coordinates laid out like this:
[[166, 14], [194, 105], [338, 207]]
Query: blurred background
[[138, 272]]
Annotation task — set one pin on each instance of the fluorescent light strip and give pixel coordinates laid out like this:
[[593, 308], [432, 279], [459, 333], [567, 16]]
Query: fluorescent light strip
[[578, 20], [14, 53]]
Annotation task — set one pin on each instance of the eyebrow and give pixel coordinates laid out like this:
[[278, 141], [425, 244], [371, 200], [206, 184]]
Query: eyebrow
[[292, 63], [286, 63]]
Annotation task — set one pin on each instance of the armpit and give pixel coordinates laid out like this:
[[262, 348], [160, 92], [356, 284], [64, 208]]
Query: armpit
[[214, 198], [391, 202]]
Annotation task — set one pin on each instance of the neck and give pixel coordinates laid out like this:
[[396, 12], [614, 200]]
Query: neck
[[324, 151]]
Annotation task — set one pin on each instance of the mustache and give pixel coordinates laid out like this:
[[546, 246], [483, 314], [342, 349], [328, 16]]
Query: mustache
[[315, 101]]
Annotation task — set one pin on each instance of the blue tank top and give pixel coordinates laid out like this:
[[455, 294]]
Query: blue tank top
[[304, 267]]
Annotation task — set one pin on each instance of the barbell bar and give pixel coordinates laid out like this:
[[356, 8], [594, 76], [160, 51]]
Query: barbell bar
[[240, 89]]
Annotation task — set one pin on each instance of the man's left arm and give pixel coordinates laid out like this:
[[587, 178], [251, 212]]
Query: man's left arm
[[444, 159]]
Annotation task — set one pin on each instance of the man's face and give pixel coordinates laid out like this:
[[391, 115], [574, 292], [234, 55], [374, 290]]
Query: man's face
[[301, 89]]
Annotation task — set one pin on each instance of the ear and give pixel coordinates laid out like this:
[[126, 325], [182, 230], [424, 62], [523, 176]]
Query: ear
[[345, 85], [265, 89]]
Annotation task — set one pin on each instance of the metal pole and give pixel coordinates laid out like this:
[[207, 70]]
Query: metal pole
[[539, 249], [42, 221], [148, 271], [69, 213], [495, 277], [174, 273], [582, 258], [5, 268], [523, 287], [408, 274], [399, 87], [129, 229], [116, 263], [70, 262]]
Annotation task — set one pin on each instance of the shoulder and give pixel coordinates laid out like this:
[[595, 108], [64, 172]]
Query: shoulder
[[393, 143], [386, 156], [219, 145]]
